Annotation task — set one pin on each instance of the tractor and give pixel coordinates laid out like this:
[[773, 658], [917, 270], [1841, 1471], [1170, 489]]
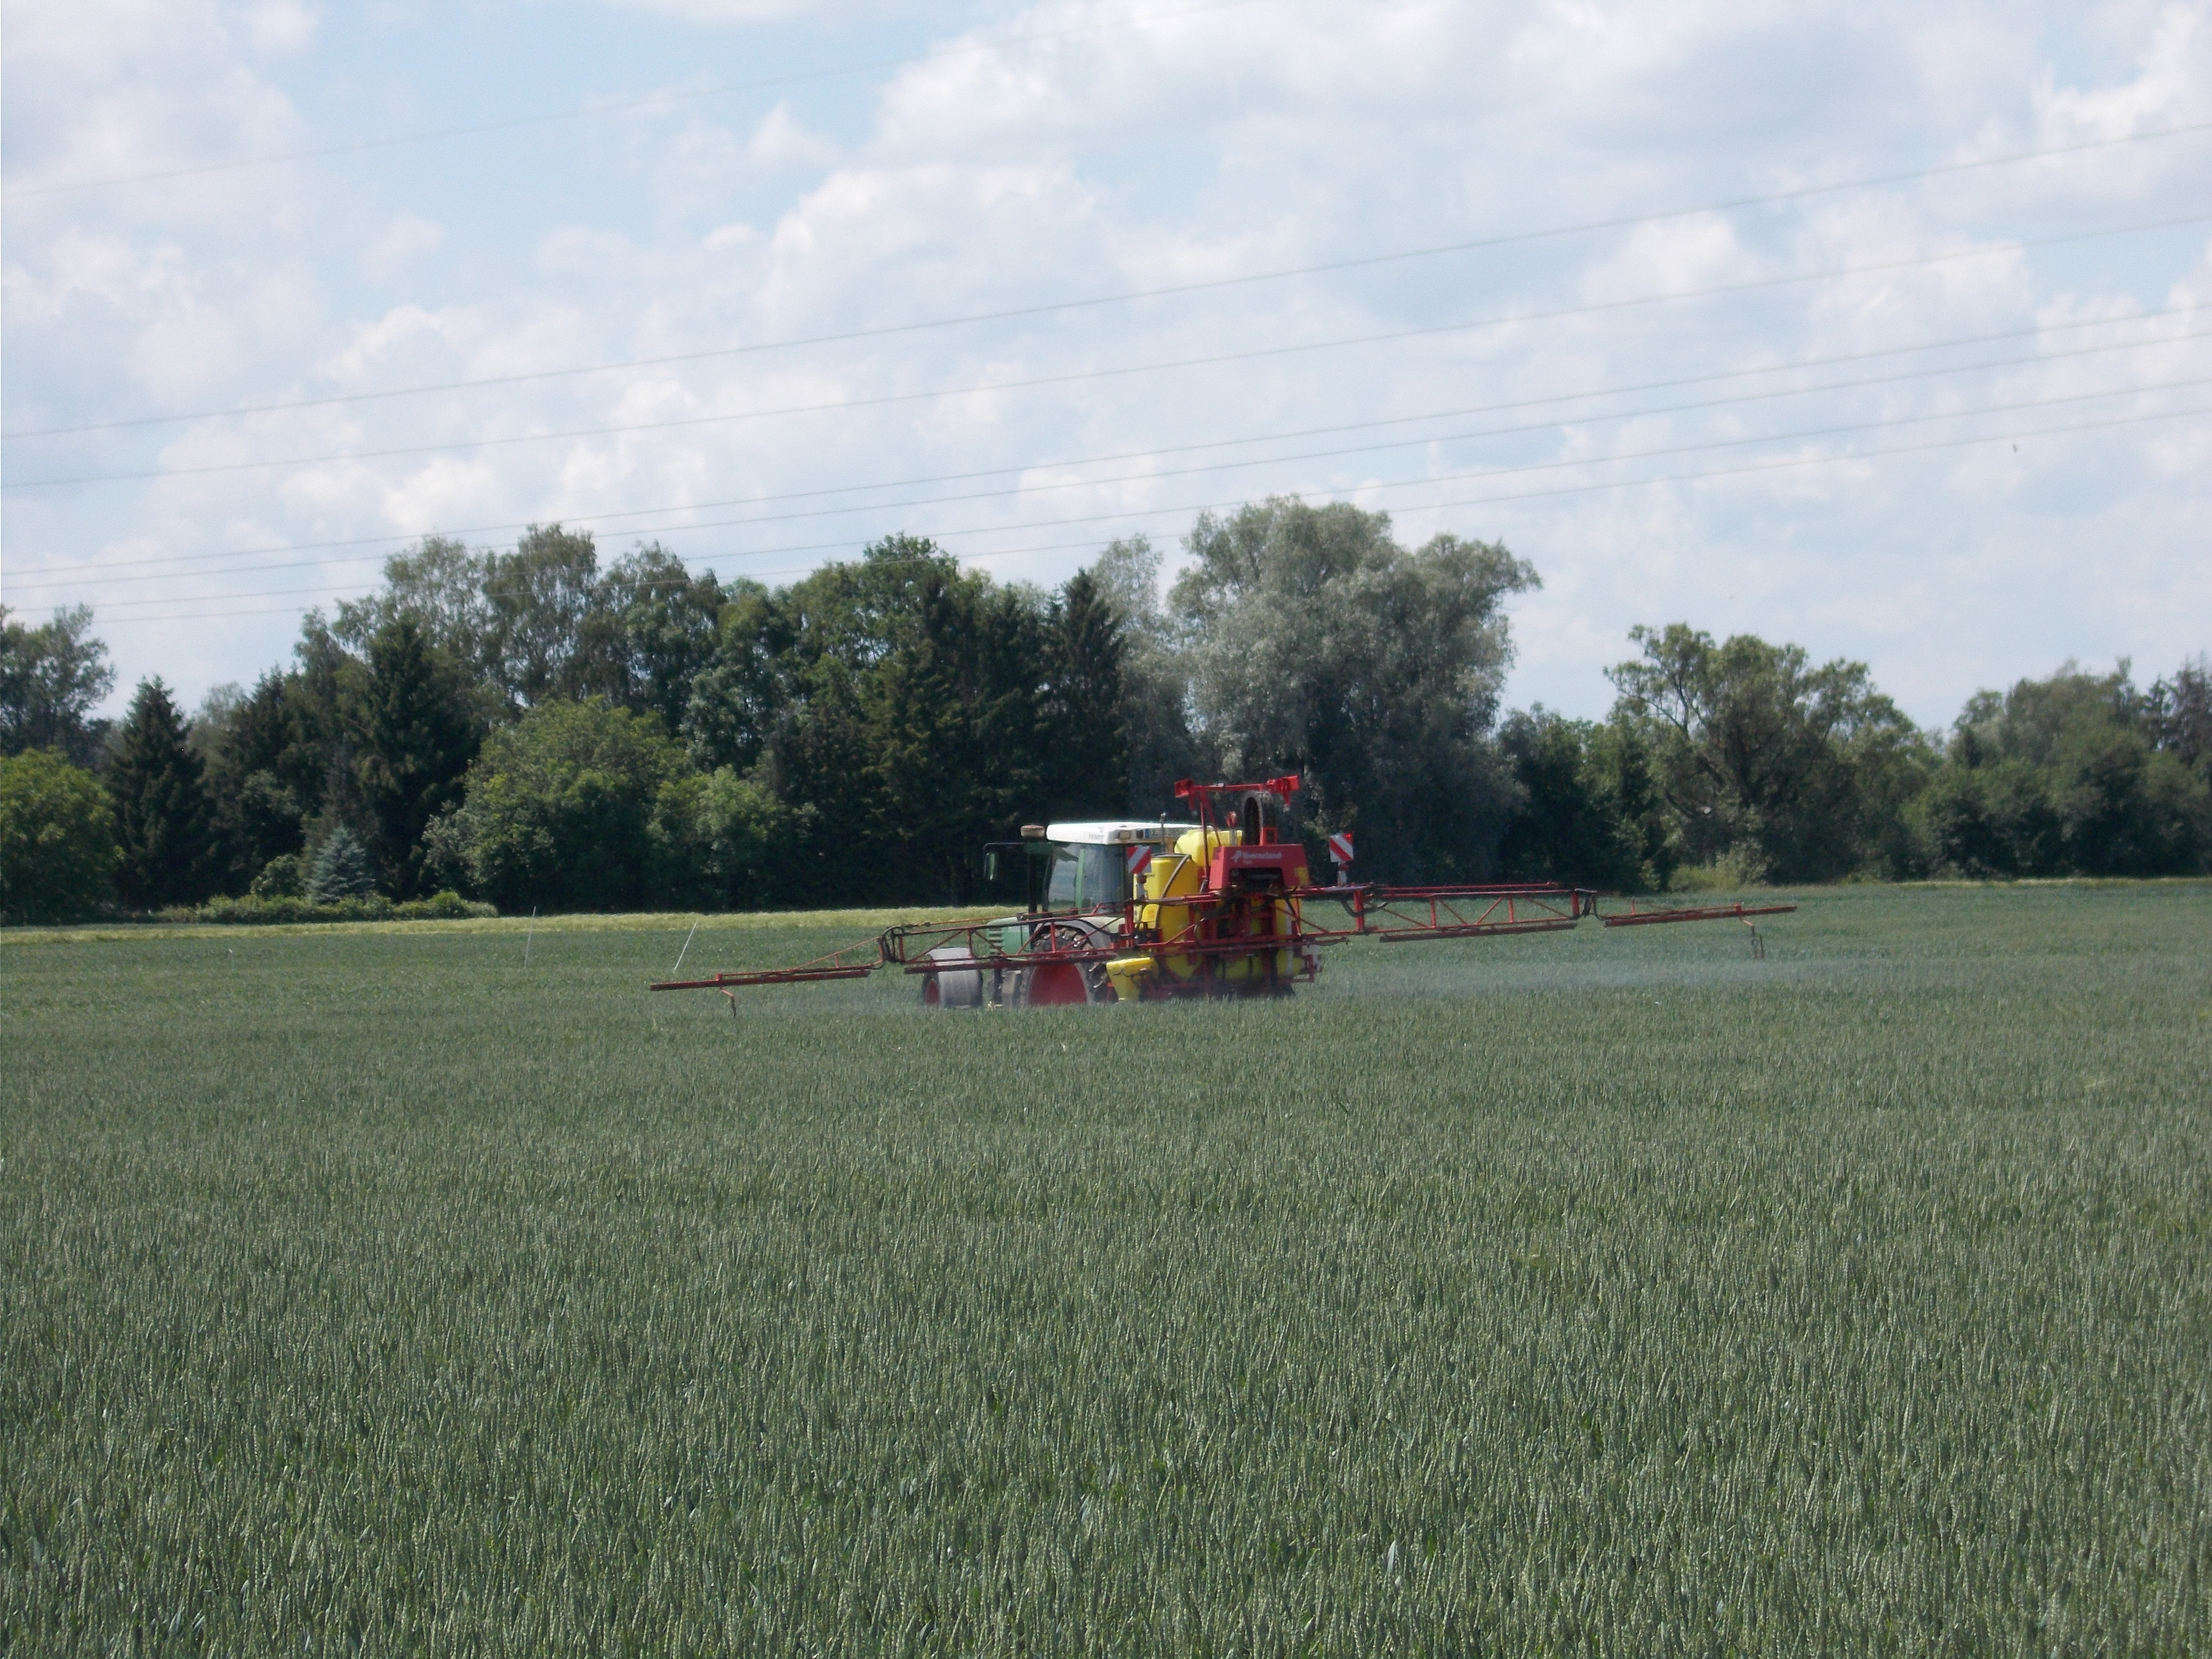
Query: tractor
[[1220, 905]]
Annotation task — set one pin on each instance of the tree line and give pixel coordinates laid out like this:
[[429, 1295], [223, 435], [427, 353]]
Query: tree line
[[528, 727]]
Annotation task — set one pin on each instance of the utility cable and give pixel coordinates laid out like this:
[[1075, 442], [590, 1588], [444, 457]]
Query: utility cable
[[705, 420], [1461, 477], [1783, 464], [602, 518], [976, 389], [78, 581], [1133, 294], [1764, 282], [2027, 360]]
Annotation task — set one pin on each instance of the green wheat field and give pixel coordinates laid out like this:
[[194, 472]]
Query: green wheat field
[[374, 1290]]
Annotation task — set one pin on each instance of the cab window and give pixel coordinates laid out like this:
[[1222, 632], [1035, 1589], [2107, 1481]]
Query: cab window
[[1084, 878]]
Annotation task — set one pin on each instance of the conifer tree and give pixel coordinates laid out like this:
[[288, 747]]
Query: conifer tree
[[160, 809], [1090, 758], [341, 869], [418, 734]]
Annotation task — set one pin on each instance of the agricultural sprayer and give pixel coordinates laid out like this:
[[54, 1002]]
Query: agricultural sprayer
[[1131, 911]]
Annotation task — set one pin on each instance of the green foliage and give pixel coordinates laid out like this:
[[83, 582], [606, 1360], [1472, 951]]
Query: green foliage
[[445, 906], [1087, 763], [1604, 1293], [1317, 645], [439, 587], [285, 876], [1799, 773], [270, 909], [1154, 716], [160, 809], [418, 730], [562, 808], [258, 814], [905, 712], [51, 678], [57, 852], [538, 599], [2179, 714], [738, 697], [341, 870], [2077, 774], [859, 736], [311, 738], [660, 630], [724, 841], [1590, 812]]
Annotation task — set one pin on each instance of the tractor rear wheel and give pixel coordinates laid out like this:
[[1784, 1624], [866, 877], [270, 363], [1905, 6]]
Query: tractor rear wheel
[[1063, 984], [1052, 984]]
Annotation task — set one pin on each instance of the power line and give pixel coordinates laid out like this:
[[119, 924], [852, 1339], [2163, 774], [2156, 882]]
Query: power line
[[1782, 463], [1145, 478], [652, 426], [77, 580], [1133, 294], [587, 112], [602, 518], [1785, 463], [980, 388], [1593, 309], [1816, 432], [1450, 477]]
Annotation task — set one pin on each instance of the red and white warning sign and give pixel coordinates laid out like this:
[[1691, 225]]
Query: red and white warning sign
[[1140, 858], [1340, 847]]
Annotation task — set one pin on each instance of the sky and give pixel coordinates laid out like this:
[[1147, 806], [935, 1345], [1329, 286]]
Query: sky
[[1881, 329]]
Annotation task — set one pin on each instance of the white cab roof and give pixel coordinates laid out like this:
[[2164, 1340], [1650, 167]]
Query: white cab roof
[[1116, 832]]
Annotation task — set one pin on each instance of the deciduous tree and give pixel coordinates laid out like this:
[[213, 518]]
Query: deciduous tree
[[51, 678], [537, 598], [1590, 813], [2075, 773], [1798, 770], [57, 852], [662, 625], [564, 808], [440, 584], [1317, 644]]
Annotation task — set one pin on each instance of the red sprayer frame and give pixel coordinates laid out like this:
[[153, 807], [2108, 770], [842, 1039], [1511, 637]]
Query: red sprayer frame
[[1246, 930]]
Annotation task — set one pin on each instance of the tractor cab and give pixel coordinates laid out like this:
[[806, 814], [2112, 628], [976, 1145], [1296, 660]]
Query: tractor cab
[[1122, 910], [1098, 867], [1093, 866]]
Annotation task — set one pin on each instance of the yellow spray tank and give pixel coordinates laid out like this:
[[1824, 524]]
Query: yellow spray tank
[[1178, 911], [1178, 873]]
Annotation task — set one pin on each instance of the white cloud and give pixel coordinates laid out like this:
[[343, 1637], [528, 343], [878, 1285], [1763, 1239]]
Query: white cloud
[[101, 89], [1182, 151], [281, 27], [729, 13], [407, 239], [2174, 72]]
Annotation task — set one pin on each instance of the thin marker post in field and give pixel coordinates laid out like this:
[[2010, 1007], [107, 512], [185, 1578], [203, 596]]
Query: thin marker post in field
[[530, 937], [686, 951]]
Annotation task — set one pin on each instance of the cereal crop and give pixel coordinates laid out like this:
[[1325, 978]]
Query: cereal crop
[[370, 1291]]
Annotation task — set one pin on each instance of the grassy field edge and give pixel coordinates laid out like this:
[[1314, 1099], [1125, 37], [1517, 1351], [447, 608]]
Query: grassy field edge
[[864, 921]]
